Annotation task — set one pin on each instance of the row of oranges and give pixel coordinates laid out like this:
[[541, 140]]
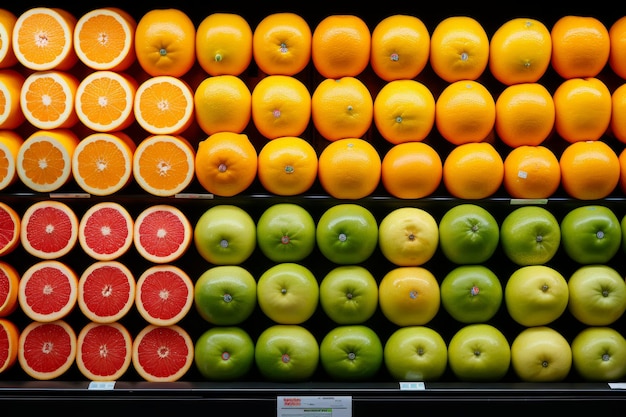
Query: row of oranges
[[166, 42]]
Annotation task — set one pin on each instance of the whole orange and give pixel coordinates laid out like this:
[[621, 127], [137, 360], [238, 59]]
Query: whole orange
[[531, 172], [400, 47], [281, 106], [349, 168], [459, 49], [590, 170], [226, 163], [222, 103], [340, 46], [404, 110], [224, 44], [411, 170], [617, 52], [165, 42], [525, 114], [465, 111], [281, 44], [582, 109], [473, 170], [617, 126], [520, 51], [580, 46], [287, 166], [342, 108]]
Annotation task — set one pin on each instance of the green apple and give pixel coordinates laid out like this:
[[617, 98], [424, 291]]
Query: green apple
[[541, 354], [224, 353], [286, 353], [471, 293], [415, 353], [536, 295], [591, 234], [351, 353], [408, 236], [347, 234], [530, 235], [479, 352], [288, 293], [623, 226], [225, 234], [597, 295], [349, 294], [599, 354], [225, 295], [286, 232], [468, 234]]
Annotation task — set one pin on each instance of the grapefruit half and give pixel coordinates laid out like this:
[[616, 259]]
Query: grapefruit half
[[9, 340], [162, 233], [104, 351], [47, 350], [9, 285], [49, 229], [9, 229], [105, 231], [162, 353], [106, 291], [164, 295]]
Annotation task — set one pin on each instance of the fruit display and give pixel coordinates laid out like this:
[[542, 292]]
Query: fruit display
[[286, 199]]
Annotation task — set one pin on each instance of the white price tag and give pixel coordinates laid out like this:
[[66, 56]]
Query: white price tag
[[617, 385], [101, 385], [412, 386], [309, 406]]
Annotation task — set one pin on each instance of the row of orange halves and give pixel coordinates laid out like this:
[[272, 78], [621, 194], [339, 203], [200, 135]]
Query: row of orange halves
[[167, 42]]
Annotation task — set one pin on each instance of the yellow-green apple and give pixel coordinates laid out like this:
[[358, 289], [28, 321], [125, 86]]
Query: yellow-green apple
[[591, 234], [351, 353], [468, 234], [288, 293], [541, 354], [347, 233], [530, 235], [599, 354], [225, 295], [349, 294], [409, 295], [286, 353], [408, 236], [597, 295], [224, 353], [286, 232], [479, 352], [415, 353], [536, 295], [471, 293], [225, 234]]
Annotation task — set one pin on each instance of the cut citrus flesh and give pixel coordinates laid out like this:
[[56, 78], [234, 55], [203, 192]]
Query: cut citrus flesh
[[11, 115], [104, 351], [162, 233], [102, 163], [164, 105], [162, 353], [48, 291], [47, 99], [49, 229], [44, 161], [47, 350], [164, 165], [164, 295], [10, 225], [106, 291], [7, 23], [43, 39], [104, 101], [104, 39], [105, 231], [10, 143], [9, 285], [9, 341]]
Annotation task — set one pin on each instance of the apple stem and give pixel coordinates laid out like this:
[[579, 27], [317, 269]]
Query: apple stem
[[600, 234], [285, 358], [284, 240], [224, 243], [225, 356], [342, 237], [352, 356], [475, 290], [228, 298]]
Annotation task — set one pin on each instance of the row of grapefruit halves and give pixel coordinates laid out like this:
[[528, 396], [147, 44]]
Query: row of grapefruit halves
[[167, 42]]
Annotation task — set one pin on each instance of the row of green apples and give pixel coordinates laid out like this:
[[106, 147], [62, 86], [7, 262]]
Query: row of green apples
[[467, 233]]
